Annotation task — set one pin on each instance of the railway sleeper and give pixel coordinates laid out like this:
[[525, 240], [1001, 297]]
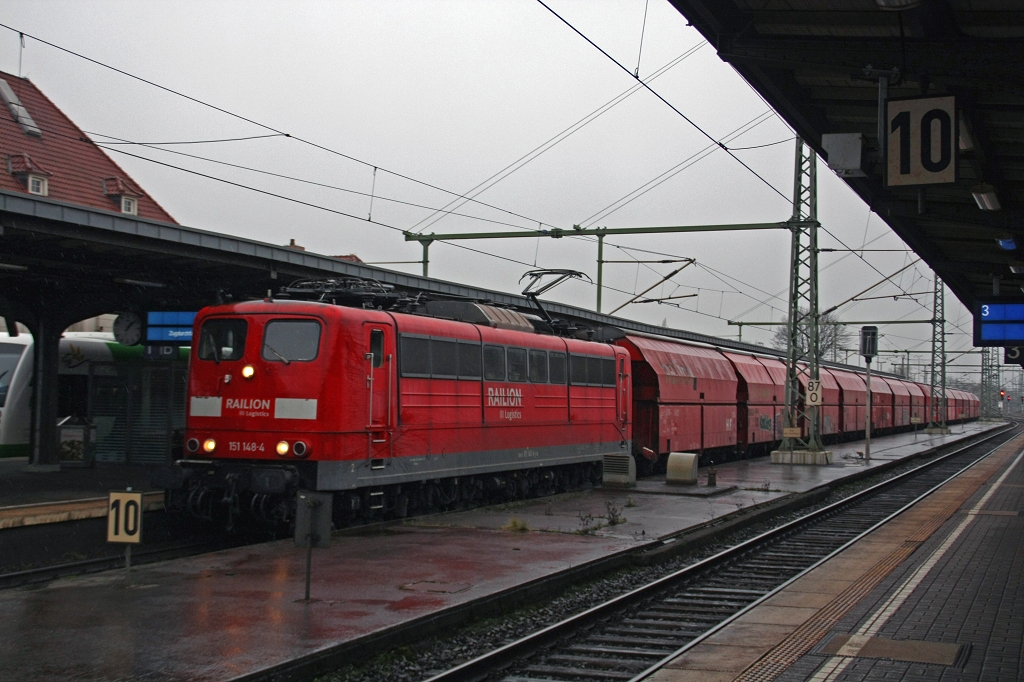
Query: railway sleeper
[[679, 618], [613, 650], [667, 624], [576, 673], [598, 662], [669, 632], [670, 644], [694, 609]]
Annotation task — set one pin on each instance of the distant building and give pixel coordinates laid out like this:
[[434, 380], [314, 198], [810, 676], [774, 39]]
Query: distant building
[[45, 154]]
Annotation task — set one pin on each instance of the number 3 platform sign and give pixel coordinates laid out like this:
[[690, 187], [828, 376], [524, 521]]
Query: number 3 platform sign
[[922, 141], [124, 521]]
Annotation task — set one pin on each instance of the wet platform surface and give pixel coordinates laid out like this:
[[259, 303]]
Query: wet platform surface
[[236, 612], [935, 595]]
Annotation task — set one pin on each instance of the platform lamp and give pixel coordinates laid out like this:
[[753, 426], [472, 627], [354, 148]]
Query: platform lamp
[[869, 349]]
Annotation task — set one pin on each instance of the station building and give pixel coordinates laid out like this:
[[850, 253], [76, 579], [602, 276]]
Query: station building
[[113, 404]]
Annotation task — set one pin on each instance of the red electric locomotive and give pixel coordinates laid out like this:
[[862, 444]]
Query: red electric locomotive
[[394, 412], [400, 406]]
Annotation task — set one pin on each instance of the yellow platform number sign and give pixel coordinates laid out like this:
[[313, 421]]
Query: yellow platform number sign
[[124, 517]]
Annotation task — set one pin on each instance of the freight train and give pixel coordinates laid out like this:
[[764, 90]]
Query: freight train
[[457, 402]]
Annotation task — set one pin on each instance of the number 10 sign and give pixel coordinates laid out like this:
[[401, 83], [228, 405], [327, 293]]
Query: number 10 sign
[[922, 141], [124, 517]]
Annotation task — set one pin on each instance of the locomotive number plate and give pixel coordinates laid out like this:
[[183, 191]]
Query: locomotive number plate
[[241, 446]]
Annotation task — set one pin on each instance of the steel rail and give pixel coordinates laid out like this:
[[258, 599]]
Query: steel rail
[[95, 565], [478, 668]]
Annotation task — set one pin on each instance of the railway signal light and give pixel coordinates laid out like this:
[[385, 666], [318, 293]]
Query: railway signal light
[[1002, 395]]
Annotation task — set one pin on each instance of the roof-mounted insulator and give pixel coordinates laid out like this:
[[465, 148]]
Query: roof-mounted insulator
[[18, 111]]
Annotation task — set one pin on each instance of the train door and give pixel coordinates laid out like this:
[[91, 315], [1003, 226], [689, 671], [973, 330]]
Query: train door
[[379, 362]]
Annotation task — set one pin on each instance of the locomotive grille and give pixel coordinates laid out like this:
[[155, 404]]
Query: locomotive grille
[[617, 465]]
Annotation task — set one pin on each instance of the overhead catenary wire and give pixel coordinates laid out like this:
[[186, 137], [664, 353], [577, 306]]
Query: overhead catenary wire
[[282, 176], [226, 139], [254, 122], [563, 135], [325, 208], [275, 131], [665, 101], [674, 170]]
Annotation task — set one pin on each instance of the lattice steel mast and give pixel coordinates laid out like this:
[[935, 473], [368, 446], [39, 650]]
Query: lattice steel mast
[[937, 416], [802, 344], [989, 382]]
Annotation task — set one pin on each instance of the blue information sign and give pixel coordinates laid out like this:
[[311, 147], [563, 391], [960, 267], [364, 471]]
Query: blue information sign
[[169, 327], [999, 323]]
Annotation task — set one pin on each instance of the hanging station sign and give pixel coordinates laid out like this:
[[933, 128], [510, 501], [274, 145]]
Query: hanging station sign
[[169, 327], [921, 141], [999, 323]]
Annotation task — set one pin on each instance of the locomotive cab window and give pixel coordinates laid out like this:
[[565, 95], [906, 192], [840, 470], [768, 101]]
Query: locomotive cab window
[[494, 363], [291, 341], [377, 346], [222, 339]]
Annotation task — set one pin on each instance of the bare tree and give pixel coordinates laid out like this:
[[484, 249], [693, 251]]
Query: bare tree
[[833, 337]]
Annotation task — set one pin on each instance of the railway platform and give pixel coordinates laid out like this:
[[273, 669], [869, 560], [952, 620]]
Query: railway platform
[[936, 594], [32, 498], [239, 614]]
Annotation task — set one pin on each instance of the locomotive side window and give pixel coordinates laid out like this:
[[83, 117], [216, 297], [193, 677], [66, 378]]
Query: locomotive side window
[[415, 356], [377, 346], [444, 359], [222, 340], [469, 360], [291, 341], [585, 370], [556, 363], [517, 364], [608, 371], [494, 363], [538, 367], [578, 369]]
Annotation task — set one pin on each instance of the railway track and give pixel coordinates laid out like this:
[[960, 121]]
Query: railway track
[[631, 636]]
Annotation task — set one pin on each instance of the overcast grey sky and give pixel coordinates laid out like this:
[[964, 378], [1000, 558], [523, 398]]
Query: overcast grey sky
[[449, 93]]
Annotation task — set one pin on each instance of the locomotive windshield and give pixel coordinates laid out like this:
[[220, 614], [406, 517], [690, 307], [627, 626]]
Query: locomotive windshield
[[291, 341], [222, 340]]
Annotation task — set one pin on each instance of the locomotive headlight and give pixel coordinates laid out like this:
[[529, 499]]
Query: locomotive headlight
[[248, 372], [209, 445], [282, 448], [300, 449]]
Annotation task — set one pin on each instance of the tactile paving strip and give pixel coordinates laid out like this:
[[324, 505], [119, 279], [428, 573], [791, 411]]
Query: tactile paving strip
[[805, 637]]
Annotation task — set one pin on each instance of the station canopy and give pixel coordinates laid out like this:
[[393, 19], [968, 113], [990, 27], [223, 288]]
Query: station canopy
[[818, 63]]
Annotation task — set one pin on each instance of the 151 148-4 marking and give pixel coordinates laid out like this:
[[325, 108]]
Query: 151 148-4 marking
[[239, 446]]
